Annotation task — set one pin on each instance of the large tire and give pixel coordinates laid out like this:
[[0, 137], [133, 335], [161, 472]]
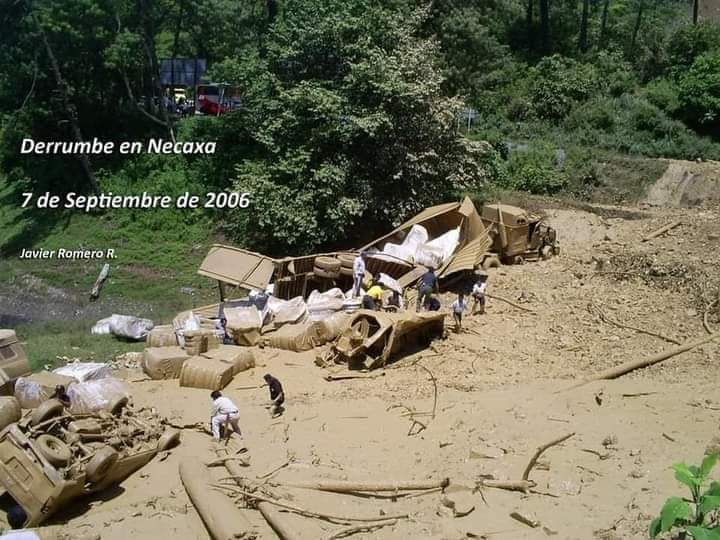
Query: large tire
[[546, 253], [54, 450], [331, 264], [347, 260], [116, 407], [100, 464], [324, 273], [491, 262], [46, 410], [169, 439], [345, 271]]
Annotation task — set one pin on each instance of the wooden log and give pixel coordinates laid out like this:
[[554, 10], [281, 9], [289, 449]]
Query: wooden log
[[345, 486], [348, 531], [95, 293], [627, 367], [661, 230], [274, 519], [221, 517]]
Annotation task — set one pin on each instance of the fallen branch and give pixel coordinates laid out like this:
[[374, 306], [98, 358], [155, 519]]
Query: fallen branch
[[345, 486], [540, 450], [435, 391], [509, 485], [627, 367], [661, 230], [513, 304], [331, 377], [348, 531], [308, 513], [603, 317], [274, 470], [221, 461]]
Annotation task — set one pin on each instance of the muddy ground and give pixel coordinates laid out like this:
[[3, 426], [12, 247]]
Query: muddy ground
[[502, 390]]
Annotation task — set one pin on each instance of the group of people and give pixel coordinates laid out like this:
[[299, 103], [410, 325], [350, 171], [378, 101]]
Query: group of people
[[225, 414], [427, 288]]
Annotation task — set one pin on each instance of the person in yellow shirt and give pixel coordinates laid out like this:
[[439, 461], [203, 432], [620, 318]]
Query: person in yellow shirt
[[373, 297]]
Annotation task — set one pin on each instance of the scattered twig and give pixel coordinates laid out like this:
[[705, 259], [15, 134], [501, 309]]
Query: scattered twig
[[668, 437], [558, 420], [513, 304], [639, 394], [348, 531], [273, 470], [588, 470], [603, 317], [221, 461], [330, 377], [706, 324], [595, 452], [435, 392], [661, 230], [540, 450], [344, 486]]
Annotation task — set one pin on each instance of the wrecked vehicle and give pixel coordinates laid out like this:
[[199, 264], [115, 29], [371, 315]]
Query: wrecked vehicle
[[50, 457], [13, 362], [518, 235], [372, 338]]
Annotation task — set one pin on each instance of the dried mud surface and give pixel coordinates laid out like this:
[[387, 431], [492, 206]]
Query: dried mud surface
[[501, 392]]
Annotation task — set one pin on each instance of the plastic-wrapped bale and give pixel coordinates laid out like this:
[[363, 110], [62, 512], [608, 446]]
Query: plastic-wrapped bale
[[240, 358], [244, 324], [329, 328], [100, 395], [293, 337], [162, 336], [164, 362], [287, 311], [85, 371], [208, 373], [33, 390], [9, 411]]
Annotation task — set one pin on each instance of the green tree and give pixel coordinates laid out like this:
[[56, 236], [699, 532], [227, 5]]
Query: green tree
[[700, 92], [350, 124]]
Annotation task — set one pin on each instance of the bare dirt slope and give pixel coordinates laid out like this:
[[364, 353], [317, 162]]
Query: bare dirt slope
[[501, 392]]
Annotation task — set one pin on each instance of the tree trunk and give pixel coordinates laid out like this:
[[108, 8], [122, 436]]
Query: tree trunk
[[603, 24], [545, 26], [582, 41], [529, 25], [696, 9], [638, 24], [149, 46], [69, 107]]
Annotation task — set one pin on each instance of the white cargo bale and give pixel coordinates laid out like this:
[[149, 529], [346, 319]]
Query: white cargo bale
[[33, 390]]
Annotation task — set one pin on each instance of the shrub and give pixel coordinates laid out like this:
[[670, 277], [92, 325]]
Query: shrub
[[556, 83], [700, 91]]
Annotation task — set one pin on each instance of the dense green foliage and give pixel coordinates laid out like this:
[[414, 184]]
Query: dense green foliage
[[355, 111], [695, 518]]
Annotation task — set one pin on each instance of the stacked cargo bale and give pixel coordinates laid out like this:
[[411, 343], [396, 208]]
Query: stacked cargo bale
[[164, 362], [240, 358], [162, 336], [208, 373]]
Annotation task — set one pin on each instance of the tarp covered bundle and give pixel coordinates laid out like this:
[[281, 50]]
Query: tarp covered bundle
[[124, 326]]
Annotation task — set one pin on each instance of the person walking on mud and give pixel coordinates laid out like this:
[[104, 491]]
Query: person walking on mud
[[427, 285], [222, 413], [358, 273], [458, 307], [277, 395], [478, 293]]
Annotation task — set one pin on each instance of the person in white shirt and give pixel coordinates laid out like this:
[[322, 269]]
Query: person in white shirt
[[478, 293], [223, 412], [358, 273], [458, 307]]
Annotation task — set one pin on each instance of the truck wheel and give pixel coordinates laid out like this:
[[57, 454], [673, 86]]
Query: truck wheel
[[491, 262], [325, 273], [518, 260], [330, 264], [46, 410], [99, 465], [118, 405], [346, 260], [54, 450], [346, 271], [546, 253], [168, 439]]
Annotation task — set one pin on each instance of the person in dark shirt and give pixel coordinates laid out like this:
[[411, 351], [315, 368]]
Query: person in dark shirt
[[277, 395], [61, 395], [427, 285]]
